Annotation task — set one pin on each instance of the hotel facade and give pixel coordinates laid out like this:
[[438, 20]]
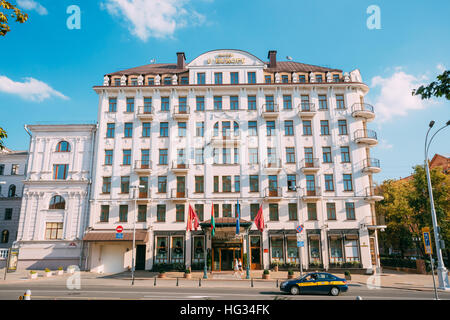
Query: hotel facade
[[224, 131]]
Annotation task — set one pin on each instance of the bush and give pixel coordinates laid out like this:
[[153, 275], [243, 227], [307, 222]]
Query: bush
[[398, 262], [162, 271], [187, 271], [32, 272], [60, 268], [346, 272], [169, 267], [290, 272], [47, 270], [266, 271]]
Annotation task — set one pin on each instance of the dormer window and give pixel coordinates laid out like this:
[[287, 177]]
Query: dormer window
[[134, 81], [117, 81], [151, 81], [184, 80], [335, 77], [268, 79], [285, 78], [63, 146], [302, 78], [167, 81], [319, 78]]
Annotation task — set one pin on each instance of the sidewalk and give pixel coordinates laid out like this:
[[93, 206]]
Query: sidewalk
[[387, 279]]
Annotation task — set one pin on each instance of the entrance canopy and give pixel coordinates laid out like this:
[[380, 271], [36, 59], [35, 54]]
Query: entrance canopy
[[226, 227]]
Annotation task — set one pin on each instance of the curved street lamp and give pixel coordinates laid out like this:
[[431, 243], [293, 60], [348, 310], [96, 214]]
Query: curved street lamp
[[441, 270]]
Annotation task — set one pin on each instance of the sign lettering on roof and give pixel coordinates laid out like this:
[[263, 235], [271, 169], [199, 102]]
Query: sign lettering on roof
[[226, 58]]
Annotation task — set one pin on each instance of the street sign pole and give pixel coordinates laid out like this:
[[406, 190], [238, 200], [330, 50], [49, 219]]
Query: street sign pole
[[428, 249], [299, 240]]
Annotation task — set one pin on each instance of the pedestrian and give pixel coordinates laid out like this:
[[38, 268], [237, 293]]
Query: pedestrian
[[240, 265], [236, 265]]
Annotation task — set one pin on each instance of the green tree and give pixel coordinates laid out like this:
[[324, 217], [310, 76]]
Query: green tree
[[2, 136], [438, 88], [11, 10]]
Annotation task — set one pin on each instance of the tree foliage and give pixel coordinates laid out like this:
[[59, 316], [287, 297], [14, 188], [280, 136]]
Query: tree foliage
[[438, 88], [2, 136], [7, 9]]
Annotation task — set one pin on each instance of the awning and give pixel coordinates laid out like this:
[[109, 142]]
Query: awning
[[225, 222], [110, 235]]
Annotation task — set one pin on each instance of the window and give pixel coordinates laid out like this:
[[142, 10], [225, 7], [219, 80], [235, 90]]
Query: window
[[290, 155], [200, 129], [216, 184], [251, 102], [201, 78], [177, 253], [331, 211], [200, 103], [273, 184], [226, 210], [226, 156], [345, 154], [164, 129], [134, 81], [161, 213], [310, 184], [348, 182], [167, 81], [301, 78], [226, 128], [182, 129], [272, 156], [254, 208], [335, 77], [289, 127], [53, 230], [323, 102], [251, 77], [253, 155], [106, 188], [145, 158], [309, 157], [14, 169], [57, 202], [324, 128], [2, 169], [182, 105], [292, 182], [215, 155], [270, 128], [8, 213], [150, 81], [267, 79], [63, 146], [162, 184], [350, 210], [184, 80], [200, 184], [254, 183], [142, 213], [199, 155], [218, 77], [123, 213], [5, 236], [199, 209], [12, 191], [319, 78], [340, 101], [165, 104], [292, 209], [110, 130], [312, 211], [117, 81], [112, 104], [217, 103], [125, 184], [226, 184], [234, 103], [307, 130], [329, 185], [161, 255], [179, 208], [128, 132], [236, 155], [60, 171], [104, 213], [273, 212], [287, 102], [146, 129], [252, 128], [130, 104], [304, 101], [147, 105], [108, 157], [326, 151], [270, 106], [342, 124], [234, 77], [285, 78], [126, 157]]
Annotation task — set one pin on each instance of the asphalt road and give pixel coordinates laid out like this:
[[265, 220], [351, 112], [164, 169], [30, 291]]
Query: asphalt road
[[40, 291]]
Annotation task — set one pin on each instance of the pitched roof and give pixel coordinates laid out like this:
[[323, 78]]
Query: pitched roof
[[291, 66]]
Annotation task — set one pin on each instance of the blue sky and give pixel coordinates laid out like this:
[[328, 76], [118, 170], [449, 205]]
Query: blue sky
[[47, 71]]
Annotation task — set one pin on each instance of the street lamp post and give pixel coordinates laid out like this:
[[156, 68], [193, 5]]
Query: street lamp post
[[133, 260], [441, 270]]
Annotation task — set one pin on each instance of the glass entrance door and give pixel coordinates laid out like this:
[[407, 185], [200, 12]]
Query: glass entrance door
[[226, 259]]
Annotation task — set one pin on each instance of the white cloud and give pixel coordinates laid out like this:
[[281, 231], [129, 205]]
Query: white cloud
[[395, 97], [154, 18], [385, 145], [440, 67], [30, 89], [32, 5]]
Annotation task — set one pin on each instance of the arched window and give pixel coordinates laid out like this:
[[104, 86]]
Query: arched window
[[5, 236], [216, 129], [236, 129], [12, 191], [63, 146], [57, 202]]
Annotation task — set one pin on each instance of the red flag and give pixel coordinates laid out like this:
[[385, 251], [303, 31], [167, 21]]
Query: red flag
[[189, 220], [192, 217], [195, 217], [259, 219]]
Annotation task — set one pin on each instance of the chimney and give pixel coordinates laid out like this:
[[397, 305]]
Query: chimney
[[272, 58], [181, 59]]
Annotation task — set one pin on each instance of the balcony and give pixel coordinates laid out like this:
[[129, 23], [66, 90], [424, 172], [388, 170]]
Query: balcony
[[180, 167], [270, 111], [365, 136], [306, 110], [273, 194], [273, 166], [371, 165], [143, 166], [311, 194], [181, 112], [372, 194], [231, 140], [363, 110], [179, 196], [144, 196], [145, 113], [310, 165]]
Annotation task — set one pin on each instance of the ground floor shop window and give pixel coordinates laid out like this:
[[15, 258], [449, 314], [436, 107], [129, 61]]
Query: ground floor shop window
[[198, 250], [277, 250], [161, 250], [351, 251], [255, 249], [177, 255], [314, 251], [336, 254], [292, 251]]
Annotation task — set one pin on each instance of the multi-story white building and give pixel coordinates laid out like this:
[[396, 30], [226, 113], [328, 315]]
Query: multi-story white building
[[12, 174], [228, 127], [55, 197]]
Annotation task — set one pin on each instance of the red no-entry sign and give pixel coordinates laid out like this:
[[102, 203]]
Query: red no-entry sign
[[119, 229]]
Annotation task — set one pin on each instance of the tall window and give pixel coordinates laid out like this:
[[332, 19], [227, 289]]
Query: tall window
[[216, 183], [236, 155], [326, 151], [252, 128], [270, 106], [217, 102], [218, 77], [104, 213], [179, 208], [251, 77], [63, 146], [331, 211], [164, 129], [57, 202], [146, 129], [350, 210], [340, 101], [182, 104], [182, 129], [201, 78], [287, 102], [125, 184], [12, 191], [142, 213], [234, 77], [112, 104], [130, 104], [292, 182], [163, 157], [226, 184], [251, 102], [199, 155], [161, 213], [237, 183], [199, 184], [323, 102], [273, 212], [342, 124], [123, 213], [254, 208], [290, 155], [147, 104], [292, 208], [226, 210], [126, 157], [253, 155], [304, 101], [307, 130], [329, 185], [200, 129], [110, 130], [128, 132], [14, 169], [106, 187], [270, 125], [5, 236], [60, 171], [226, 155], [254, 183], [234, 103], [199, 209], [145, 158], [53, 231], [162, 184], [310, 184], [289, 127], [200, 103], [165, 104], [2, 169], [324, 128], [345, 154], [312, 211], [8, 214], [348, 186]]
